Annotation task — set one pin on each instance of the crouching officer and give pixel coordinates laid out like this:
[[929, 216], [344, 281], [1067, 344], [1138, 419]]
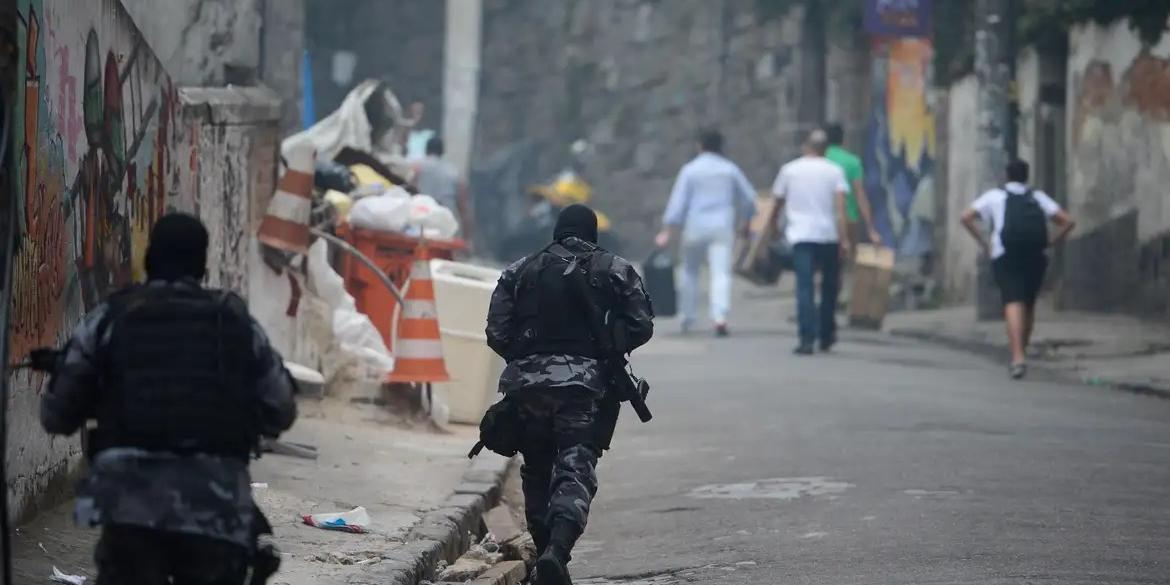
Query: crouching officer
[[182, 383], [561, 405]]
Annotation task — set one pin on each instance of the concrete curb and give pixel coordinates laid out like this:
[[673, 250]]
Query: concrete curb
[[999, 352], [445, 533]]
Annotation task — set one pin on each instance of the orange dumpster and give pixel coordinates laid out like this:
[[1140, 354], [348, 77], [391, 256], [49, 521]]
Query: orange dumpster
[[394, 254]]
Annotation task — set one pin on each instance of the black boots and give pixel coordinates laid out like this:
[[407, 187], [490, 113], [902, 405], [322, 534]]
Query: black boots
[[551, 570], [552, 566]]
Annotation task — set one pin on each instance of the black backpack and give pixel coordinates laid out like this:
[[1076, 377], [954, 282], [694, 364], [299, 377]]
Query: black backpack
[[1025, 225]]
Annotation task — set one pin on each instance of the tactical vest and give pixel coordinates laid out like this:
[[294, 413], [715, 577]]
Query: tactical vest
[[177, 373], [551, 317]]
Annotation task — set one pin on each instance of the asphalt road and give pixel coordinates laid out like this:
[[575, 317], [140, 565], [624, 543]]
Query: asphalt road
[[885, 462]]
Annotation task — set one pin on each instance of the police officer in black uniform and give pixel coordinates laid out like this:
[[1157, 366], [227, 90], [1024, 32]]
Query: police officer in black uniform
[[182, 383], [554, 374]]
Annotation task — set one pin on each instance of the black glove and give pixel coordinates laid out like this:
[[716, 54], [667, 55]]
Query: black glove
[[44, 359]]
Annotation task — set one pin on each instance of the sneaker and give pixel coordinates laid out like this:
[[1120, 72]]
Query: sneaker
[[804, 349], [1018, 371], [827, 345], [721, 330], [551, 571]]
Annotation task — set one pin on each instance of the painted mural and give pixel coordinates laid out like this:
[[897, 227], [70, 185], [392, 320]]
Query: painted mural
[[900, 147], [99, 161]]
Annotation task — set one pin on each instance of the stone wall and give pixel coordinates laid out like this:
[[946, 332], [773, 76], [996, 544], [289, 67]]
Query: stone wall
[[1118, 170], [636, 80], [399, 41]]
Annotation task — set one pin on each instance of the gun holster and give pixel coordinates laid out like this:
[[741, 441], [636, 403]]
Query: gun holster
[[499, 431]]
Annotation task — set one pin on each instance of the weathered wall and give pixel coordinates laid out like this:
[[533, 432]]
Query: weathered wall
[[282, 47], [637, 80], [399, 41], [203, 42], [1118, 171], [960, 251], [105, 147]]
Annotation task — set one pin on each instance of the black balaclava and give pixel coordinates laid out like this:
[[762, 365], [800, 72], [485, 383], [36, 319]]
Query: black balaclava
[[576, 220], [178, 248]]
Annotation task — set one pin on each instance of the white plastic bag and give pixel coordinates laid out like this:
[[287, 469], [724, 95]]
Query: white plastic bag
[[353, 332], [434, 220], [388, 212]]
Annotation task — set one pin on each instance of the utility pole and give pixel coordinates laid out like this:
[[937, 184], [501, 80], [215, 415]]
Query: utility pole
[[993, 73]]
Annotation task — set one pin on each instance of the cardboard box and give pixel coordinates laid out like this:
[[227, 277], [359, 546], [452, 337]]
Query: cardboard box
[[873, 270]]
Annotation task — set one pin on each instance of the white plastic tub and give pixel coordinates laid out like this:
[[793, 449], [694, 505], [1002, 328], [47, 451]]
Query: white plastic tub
[[462, 295]]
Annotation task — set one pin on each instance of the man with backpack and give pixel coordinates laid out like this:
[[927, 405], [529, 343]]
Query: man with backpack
[[1019, 217]]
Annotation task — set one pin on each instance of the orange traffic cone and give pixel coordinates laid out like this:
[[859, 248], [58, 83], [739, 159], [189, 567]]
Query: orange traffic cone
[[286, 225], [418, 353]]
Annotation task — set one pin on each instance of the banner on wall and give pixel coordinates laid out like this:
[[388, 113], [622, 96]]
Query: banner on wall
[[898, 18]]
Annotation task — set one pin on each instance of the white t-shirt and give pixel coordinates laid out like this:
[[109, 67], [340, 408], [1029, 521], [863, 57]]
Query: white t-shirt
[[809, 185], [991, 206]]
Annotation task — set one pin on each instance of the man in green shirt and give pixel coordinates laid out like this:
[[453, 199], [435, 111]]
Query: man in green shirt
[[856, 202]]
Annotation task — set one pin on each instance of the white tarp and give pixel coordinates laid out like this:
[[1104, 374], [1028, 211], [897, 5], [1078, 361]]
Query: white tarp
[[350, 126]]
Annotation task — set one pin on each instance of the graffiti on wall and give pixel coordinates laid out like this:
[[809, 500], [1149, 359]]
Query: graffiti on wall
[[98, 153], [900, 146]]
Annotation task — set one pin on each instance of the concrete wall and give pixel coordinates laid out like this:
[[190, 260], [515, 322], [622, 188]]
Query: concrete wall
[[282, 48], [960, 189], [203, 42], [636, 80], [1118, 171], [105, 145]]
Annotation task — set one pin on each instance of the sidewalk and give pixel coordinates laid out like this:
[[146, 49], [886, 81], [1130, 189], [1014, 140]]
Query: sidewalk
[[416, 484], [1094, 348]]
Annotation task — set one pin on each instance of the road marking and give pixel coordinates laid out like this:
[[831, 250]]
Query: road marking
[[781, 488]]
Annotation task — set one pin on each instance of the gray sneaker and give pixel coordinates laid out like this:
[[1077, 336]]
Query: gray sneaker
[[1018, 371]]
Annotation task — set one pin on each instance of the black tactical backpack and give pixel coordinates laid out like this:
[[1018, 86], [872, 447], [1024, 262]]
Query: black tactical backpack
[[1025, 225]]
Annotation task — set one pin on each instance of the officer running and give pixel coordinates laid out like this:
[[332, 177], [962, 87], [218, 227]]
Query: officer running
[[536, 322], [182, 383]]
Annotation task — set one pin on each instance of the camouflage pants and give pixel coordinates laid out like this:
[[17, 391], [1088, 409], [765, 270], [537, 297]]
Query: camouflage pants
[[560, 459], [129, 555]]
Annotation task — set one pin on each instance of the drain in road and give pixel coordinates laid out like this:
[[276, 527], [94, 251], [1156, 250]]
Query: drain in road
[[780, 488]]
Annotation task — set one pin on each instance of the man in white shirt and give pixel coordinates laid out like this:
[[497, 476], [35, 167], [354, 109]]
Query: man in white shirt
[[1018, 217], [811, 191], [710, 200]]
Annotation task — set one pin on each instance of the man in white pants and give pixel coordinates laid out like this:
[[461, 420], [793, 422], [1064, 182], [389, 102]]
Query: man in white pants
[[710, 200]]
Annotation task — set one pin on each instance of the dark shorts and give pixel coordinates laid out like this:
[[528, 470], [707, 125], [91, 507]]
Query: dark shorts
[[1019, 278]]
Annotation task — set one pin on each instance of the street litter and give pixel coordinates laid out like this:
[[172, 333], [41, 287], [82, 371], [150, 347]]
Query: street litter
[[59, 577], [356, 520], [259, 486]]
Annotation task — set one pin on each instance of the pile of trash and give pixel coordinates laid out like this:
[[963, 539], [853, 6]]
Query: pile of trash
[[362, 169], [362, 179]]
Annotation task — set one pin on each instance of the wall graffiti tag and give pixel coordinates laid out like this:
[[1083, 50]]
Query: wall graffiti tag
[[99, 160]]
